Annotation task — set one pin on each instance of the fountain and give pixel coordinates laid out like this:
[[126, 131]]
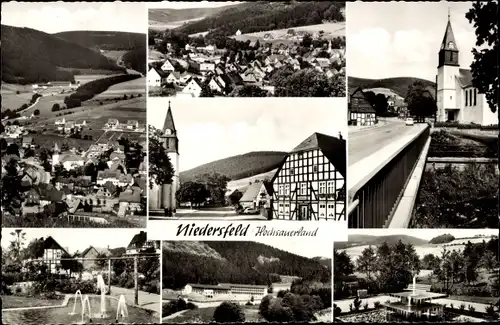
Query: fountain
[[121, 310], [78, 292], [102, 288], [414, 304], [86, 302]]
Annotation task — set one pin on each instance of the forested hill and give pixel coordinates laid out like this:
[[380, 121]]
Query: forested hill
[[104, 40], [398, 85], [237, 262], [250, 17], [238, 167], [164, 15], [30, 56]]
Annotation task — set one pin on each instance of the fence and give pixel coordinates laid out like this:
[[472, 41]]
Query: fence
[[374, 201]]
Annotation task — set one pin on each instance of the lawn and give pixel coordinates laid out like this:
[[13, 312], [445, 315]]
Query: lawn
[[205, 315], [13, 101], [20, 301], [480, 300]]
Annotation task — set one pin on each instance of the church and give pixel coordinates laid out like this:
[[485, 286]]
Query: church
[[162, 197], [457, 99]]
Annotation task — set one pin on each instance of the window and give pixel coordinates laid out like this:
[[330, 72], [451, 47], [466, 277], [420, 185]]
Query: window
[[287, 208], [280, 210], [280, 190], [475, 95], [466, 98], [292, 171], [322, 188], [331, 187], [303, 189], [315, 168], [287, 189]]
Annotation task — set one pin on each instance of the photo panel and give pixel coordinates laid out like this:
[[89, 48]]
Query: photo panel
[[73, 134], [423, 126], [246, 281], [105, 277], [422, 275], [247, 49]]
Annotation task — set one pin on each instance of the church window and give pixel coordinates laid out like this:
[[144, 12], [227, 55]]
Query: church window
[[466, 98], [475, 95]]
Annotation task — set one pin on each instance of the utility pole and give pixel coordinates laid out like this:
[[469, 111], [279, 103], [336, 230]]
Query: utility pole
[[109, 276], [136, 283]]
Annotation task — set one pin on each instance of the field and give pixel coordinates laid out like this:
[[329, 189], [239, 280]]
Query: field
[[155, 55], [244, 182], [385, 91], [114, 55], [157, 25], [136, 86], [12, 101], [331, 30], [84, 78]]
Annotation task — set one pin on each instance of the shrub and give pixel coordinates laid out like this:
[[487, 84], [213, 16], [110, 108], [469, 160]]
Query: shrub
[[357, 303], [490, 310], [336, 310], [249, 303], [190, 305], [365, 306], [472, 309], [451, 306], [229, 312], [377, 304], [462, 307]]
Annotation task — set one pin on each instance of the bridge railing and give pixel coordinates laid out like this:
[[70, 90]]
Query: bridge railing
[[372, 201]]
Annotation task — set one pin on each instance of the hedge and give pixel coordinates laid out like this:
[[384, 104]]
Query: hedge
[[469, 126]]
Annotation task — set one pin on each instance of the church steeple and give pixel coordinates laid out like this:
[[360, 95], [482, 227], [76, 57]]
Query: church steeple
[[169, 121], [448, 53]]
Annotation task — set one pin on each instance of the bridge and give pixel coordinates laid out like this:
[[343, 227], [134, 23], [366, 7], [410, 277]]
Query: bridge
[[386, 165]]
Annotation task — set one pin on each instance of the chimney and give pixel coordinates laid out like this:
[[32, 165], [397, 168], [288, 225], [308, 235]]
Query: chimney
[[340, 135]]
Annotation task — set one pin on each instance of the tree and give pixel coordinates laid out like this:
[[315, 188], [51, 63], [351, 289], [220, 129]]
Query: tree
[[11, 187], [366, 262], [307, 40], [101, 262], [216, 184], [161, 170], [56, 107], [342, 264], [235, 197], [485, 68], [193, 192], [229, 312], [430, 262], [16, 244], [36, 112], [34, 250], [70, 264], [12, 149]]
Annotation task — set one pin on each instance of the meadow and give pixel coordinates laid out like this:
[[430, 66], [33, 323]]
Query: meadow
[[205, 315], [132, 87]]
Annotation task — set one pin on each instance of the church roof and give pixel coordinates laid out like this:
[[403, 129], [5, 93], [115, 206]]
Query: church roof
[[448, 37], [333, 148], [465, 77], [169, 120]]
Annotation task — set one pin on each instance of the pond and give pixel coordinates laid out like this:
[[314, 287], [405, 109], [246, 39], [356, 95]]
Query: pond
[[61, 315]]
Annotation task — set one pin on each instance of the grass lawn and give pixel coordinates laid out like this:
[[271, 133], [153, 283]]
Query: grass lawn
[[479, 300], [13, 101], [205, 315], [136, 86], [20, 301]]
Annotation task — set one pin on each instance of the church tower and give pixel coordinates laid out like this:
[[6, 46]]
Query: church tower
[[171, 145], [55, 156], [448, 68]]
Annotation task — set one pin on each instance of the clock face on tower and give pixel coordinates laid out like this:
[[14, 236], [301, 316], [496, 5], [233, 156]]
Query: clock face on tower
[[451, 45], [168, 132]]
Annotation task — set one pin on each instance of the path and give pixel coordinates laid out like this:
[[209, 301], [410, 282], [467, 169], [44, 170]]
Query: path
[[147, 300]]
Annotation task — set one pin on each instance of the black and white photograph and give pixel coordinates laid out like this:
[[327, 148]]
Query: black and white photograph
[[104, 277], [73, 121], [259, 282], [417, 275], [240, 159], [247, 49], [423, 124]]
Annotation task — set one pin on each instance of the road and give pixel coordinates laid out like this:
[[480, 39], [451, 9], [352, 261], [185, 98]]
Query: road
[[147, 300], [184, 214], [365, 142]]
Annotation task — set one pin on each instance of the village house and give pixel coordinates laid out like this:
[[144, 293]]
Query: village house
[[310, 183], [193, 87], [256, 196], [139, 245], [112, 123], [115, 177], [88, 253], [360, 111], [52, 254], [167, 66], [132, 124], [156, 77]]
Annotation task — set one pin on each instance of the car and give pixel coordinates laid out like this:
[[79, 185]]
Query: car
[[409, 121], [251, 211]]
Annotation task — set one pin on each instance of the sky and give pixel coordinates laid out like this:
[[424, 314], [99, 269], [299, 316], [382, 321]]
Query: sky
[[426, 234], [402, 39], [194, 4], [76, 239], [215, 128], [54, 17]]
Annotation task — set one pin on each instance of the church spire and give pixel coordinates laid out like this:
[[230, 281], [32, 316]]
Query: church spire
[[169, 121], [449, 42]]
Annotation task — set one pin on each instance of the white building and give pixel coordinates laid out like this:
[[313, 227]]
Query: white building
[[155, 77], [193, 88], [457, 100]]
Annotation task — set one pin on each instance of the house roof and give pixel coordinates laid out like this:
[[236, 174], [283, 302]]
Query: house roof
[[69, 156], [209, 286], [138, 240], [243, 285], [359, 103], [333, 148], [51, 243], [465, 77], [131, 196]]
